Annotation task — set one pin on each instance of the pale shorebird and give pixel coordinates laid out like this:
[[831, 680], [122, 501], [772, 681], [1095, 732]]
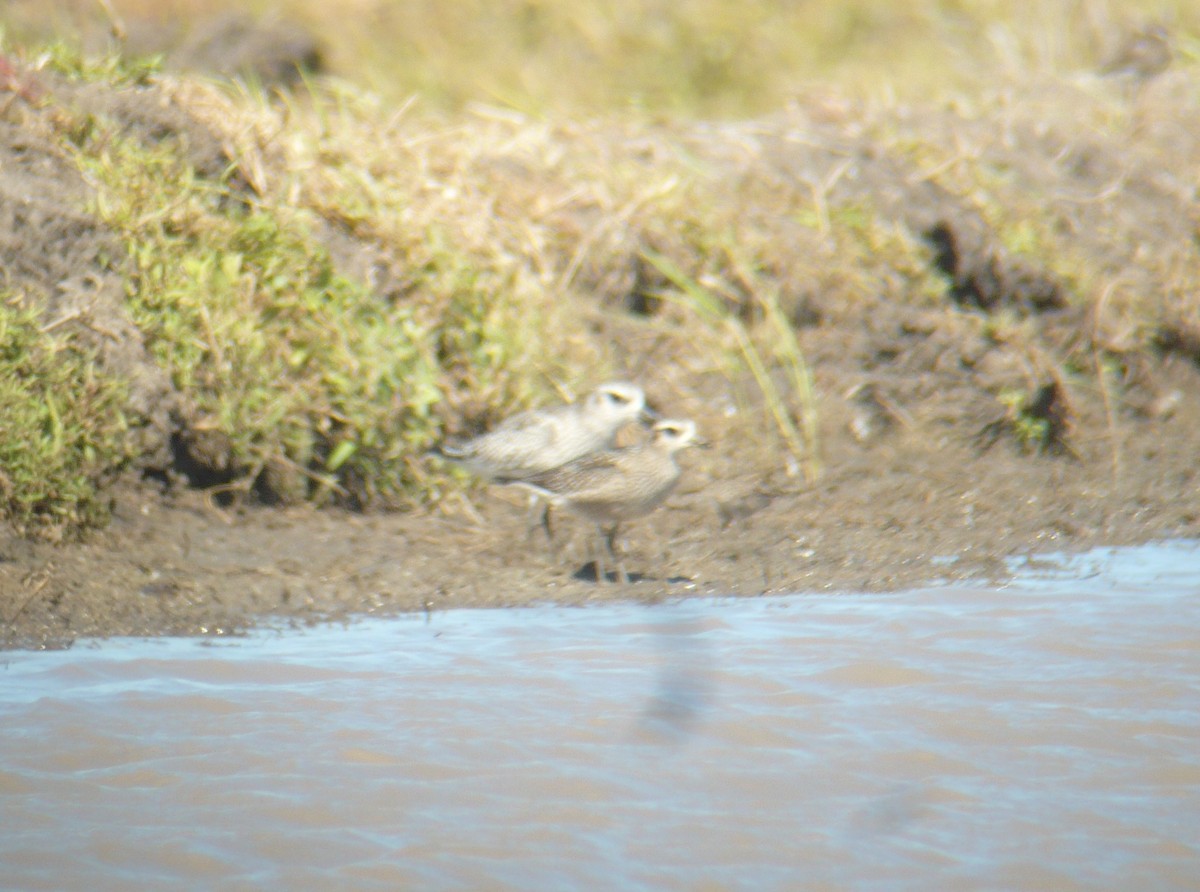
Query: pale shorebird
[[610, 487], [537, 440]]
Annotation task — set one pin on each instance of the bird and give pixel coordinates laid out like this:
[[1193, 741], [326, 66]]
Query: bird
[[538, 440], [616, 485]]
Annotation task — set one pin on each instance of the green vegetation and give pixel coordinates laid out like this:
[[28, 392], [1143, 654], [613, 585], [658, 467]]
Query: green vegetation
[[1039, 421], [291, 361], [62, 427], [114, 69], [1032, 431], [366, 275], [320, 386], [294, 363]]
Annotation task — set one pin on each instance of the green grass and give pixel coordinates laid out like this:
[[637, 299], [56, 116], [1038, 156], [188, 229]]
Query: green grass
[[293, 362], [299, 367], [62, 428]]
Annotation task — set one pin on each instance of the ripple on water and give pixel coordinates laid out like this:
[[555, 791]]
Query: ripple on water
[[1041, 734]]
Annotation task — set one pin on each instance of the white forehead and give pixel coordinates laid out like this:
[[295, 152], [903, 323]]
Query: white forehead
[[680, 430]]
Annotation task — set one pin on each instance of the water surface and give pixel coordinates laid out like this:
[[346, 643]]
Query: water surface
[[1041, 735]]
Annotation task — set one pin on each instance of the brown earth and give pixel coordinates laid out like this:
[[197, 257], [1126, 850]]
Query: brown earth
[[922, 479], [880, 518]]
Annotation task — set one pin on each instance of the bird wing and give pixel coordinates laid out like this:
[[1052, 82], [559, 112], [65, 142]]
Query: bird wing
[[536, 429], [584, 479], [529, 420], [510, 450]]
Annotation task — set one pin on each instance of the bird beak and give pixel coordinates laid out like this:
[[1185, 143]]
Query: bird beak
[[649, 415]]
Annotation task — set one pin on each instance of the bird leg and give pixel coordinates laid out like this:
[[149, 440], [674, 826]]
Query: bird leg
[[610, 541], [533, 520]]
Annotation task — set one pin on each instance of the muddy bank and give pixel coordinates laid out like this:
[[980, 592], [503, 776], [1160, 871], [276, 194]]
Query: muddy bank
[[982, 388], [173, 564]]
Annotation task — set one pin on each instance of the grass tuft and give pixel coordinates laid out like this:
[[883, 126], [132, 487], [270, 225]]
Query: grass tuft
[[292, 361], [794, 409], [62, 428]]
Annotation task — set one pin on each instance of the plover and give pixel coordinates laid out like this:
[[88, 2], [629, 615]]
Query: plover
[[539, 440], [610, 487]]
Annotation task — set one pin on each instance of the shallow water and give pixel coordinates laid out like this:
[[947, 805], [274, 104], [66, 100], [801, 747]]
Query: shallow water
[[1042, 735]]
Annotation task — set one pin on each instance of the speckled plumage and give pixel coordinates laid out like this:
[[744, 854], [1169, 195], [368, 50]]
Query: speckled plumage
[[620, 484], [539, 440]]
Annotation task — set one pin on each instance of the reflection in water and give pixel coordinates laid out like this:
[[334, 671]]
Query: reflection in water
[[683, 680], [1040, 735]]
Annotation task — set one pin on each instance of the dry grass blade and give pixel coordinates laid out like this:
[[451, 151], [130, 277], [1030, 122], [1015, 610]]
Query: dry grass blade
[[801, 442]]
